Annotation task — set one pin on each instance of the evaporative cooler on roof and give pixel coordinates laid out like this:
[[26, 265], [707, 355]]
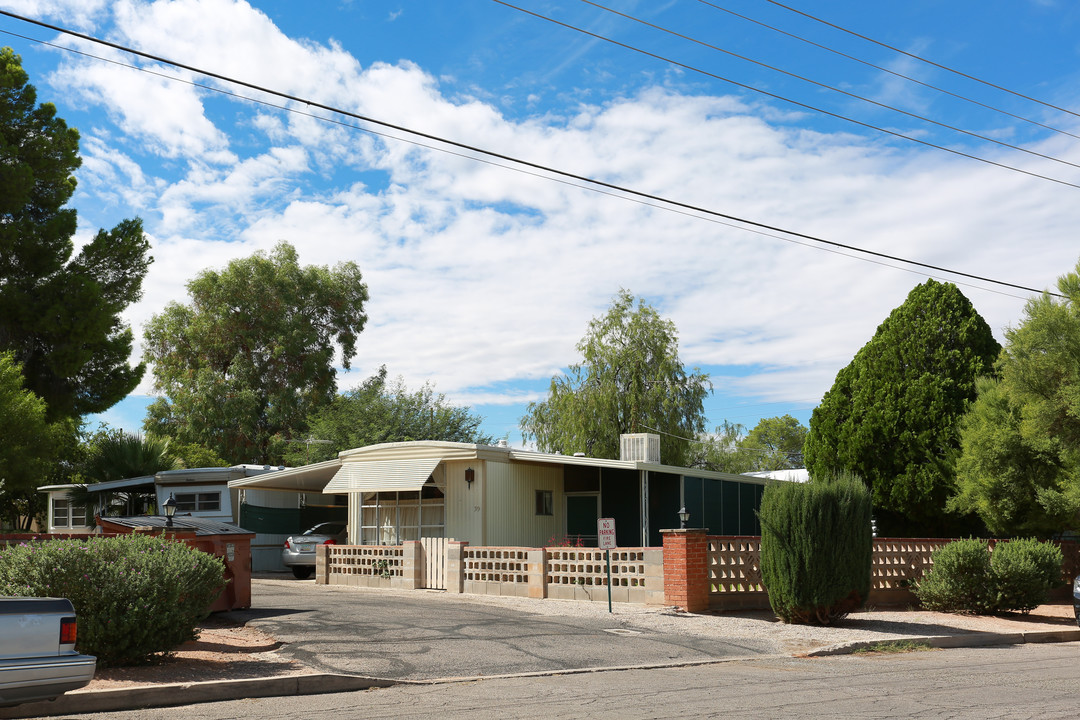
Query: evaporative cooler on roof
[[640, 447]]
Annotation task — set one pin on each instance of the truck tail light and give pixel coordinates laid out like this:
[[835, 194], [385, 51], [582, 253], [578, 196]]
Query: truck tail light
[[69, 629]]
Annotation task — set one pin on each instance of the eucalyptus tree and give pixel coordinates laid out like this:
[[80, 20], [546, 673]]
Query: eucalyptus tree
[[242, 365]]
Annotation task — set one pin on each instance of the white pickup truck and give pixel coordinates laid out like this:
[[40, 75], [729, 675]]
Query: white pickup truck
[[38, 660]]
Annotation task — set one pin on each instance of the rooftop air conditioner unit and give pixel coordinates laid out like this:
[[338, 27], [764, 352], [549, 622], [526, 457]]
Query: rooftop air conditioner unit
[[640, 447]]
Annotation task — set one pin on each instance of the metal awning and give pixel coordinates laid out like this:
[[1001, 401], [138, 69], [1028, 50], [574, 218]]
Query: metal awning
[[382, 475], [308, 479], [145, 484]]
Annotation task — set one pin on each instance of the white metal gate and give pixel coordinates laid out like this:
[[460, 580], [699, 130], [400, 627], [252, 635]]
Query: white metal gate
[[434, 562]]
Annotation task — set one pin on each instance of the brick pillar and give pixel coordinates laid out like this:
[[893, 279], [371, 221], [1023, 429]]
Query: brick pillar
[[413, 571], [322, 567], [686, 575], [455, 565], [538, 573]]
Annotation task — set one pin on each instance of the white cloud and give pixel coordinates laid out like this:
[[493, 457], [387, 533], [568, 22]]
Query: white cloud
[[78, 14], [480, 277]]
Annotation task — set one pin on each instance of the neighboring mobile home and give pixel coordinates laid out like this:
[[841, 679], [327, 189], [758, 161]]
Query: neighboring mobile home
[[500, 496]]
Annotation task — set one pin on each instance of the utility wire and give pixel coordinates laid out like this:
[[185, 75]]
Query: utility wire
[[894, 73], [774, 68], [511, 168], [784, 99], [619, 190], [922, 59]]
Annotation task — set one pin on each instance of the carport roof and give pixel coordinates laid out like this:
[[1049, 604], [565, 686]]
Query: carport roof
[[309, 478], [315, 478]]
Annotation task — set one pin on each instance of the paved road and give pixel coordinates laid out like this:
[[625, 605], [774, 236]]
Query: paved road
[[1025, 681], [421, 635]]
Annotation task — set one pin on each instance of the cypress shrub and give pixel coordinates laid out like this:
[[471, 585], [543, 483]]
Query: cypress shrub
[[135, 596], [959, 580], [1024, 571], [816, 548]]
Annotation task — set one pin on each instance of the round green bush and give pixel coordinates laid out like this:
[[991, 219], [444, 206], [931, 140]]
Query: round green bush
[[136, 596], [1024, 571], [816, 548], [959, 579]]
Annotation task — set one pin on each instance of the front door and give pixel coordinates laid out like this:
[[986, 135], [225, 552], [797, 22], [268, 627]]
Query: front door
[[582, 512]]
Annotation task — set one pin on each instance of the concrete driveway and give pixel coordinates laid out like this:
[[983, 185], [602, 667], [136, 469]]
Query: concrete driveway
[[423, 635]]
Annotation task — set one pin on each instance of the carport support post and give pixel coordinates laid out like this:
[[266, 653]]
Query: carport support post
[[686, 575]]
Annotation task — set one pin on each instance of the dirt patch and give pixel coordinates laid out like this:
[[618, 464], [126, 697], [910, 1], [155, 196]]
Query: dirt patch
[[224, 650]]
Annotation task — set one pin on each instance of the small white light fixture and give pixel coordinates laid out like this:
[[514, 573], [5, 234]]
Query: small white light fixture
[[684, 517]]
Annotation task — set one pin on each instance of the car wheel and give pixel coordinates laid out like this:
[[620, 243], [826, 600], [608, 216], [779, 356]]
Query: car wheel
[[302, 572]]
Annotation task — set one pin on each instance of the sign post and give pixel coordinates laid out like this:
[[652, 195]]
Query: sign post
[[605, 532]]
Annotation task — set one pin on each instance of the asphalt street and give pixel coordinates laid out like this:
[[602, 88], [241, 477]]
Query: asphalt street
[[1017, 682], [426, 635]]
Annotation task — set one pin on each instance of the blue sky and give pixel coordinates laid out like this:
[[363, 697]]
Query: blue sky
[[482, 280]]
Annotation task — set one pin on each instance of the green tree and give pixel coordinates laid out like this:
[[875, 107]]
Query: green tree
[[252, 355], [193, 455], [1020, 467], [778, 441], [630, 380], [893, 414], [380, 412], [722, 451], [60, 315], [27, 448], [1000, 474], [113, 454]]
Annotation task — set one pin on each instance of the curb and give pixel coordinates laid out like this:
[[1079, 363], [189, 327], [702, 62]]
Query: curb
[[956, 641], [146, 696], [136, 698]]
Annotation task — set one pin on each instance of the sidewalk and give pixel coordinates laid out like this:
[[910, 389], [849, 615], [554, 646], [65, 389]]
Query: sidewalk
[[758, 632]]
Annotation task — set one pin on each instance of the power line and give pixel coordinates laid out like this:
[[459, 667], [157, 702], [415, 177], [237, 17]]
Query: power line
[[782, 98], [826, 86], [619, 190], [922, 59], [894, 73]]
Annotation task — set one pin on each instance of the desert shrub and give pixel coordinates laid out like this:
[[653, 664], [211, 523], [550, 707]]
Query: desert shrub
[[816, 548], [959, 579], [1024, 571], [136, 596]]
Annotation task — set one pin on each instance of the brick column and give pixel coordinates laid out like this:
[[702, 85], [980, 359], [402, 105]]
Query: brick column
[[455, 565], [322, 566], [538, 573], [686, 575], [413, 571]]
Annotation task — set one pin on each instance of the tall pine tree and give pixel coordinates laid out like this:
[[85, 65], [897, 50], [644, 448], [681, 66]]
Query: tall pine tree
[[59, 314]]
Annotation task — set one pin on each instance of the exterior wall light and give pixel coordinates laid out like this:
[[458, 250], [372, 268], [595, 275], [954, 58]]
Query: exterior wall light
[[684, 517], [470, 475], [170, 510]]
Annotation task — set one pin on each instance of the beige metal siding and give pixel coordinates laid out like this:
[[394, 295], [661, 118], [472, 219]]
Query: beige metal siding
[[464, 505], [511, 504]]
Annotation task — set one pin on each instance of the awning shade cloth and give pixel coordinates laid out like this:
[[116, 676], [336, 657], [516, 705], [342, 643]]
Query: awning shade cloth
[[381, 475]]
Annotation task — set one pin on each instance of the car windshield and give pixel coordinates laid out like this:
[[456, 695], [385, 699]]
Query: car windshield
[[326, 529]]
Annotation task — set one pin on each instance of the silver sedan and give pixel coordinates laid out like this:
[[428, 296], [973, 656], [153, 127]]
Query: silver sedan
[[299, 551]]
